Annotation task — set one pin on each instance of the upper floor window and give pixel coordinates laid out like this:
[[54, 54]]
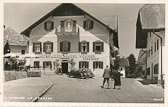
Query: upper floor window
[[37, 47], [48, 25], [88, 24], [84, 47], [48, 47], [83, 64], [68, 25], [65, 46], [98, 47]]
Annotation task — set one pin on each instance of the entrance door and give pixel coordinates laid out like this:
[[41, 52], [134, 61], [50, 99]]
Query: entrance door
[[64, 67]]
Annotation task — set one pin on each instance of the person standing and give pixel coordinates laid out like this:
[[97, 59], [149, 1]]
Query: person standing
[[106, 76], [117, 80]]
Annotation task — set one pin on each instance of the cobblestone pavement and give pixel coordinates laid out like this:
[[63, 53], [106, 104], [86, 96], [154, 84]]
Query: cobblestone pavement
[[67, 89]]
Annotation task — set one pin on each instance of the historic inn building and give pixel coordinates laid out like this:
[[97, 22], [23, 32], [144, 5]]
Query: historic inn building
[[67, 33]]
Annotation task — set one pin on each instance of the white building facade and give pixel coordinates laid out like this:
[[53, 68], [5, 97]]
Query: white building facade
[[68, 33]]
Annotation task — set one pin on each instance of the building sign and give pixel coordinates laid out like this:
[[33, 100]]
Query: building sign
[[85, 57]]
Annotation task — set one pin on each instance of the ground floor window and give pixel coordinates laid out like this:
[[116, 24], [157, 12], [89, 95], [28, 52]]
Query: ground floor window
[[22, 52], [47, 64], [83, 64], [36, 64], [156, 68], [98, 64], [148, 71]]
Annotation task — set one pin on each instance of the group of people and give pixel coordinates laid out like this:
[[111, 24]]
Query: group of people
[[113, 74]]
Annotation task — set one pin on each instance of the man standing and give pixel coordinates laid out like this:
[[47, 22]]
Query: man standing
[[106, 76]]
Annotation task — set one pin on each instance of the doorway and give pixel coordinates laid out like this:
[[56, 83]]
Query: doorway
[[64, 67]]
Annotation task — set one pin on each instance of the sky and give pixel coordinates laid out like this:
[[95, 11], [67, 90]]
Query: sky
[[19, 16]]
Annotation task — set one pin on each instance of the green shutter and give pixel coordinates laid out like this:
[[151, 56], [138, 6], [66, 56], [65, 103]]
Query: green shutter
[[40, 47], [43, 64], [84, 24], [87, 46], [51, 46], [102, 46], [33, 47], [69, 46], [92, 24], [94, 65], [93, 46], [44, 45], [52, 25], [62, 26], [79, 46], [61, 46], [74, 26], [45, 25], [79, 64]]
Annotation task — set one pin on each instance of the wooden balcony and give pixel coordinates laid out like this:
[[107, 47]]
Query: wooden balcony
[[67, 32]]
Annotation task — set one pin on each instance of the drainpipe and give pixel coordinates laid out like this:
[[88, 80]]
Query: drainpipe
[[161, 54]]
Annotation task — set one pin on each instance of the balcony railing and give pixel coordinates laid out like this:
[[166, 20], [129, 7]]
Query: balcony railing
[[65, 32]]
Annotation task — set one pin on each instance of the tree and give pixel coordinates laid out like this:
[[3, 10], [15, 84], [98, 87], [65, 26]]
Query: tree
[[139, 71], [132, 62]]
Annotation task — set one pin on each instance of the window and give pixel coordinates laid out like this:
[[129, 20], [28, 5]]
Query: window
[[148, 71], [65, 46], [48, 47], [88, 24], [68, 25], [36, 64], [98, 64], [158, 44], [37, 47], [84, 47], [98, 47], [22, 52], [156, 68], [83, 64], [48, 25]]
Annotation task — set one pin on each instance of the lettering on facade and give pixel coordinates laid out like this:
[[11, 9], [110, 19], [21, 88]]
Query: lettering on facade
[[85, 57]]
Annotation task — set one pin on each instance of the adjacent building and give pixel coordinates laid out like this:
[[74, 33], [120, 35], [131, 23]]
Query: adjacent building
[[68, 32], [150, 35]]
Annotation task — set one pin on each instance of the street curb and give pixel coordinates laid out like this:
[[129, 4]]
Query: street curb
[[37, 98]]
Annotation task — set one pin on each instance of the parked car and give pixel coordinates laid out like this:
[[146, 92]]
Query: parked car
[[86, 72], [82, 73]]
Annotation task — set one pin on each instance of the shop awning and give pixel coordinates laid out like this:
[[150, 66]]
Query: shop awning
[[151, 17]]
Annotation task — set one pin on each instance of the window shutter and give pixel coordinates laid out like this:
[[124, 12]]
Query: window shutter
[[44, 45], [84, 24], [87, 64], [93, 46], [40, 47], [79, 64], [43, 64], [33, 47], [61, 46], [101, 65], [94, 65], [87, 46], [102, 46], [69, 45], [92, 23], [79, 46], [51, 46], [62, 26], [45, 25], [52, 25], [74, 26]]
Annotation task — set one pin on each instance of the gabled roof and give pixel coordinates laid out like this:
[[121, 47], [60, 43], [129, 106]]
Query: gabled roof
[[151, 17], [13, 38], [110, 23]]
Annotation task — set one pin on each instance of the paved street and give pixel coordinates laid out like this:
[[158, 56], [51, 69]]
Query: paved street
[[88, 90]]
